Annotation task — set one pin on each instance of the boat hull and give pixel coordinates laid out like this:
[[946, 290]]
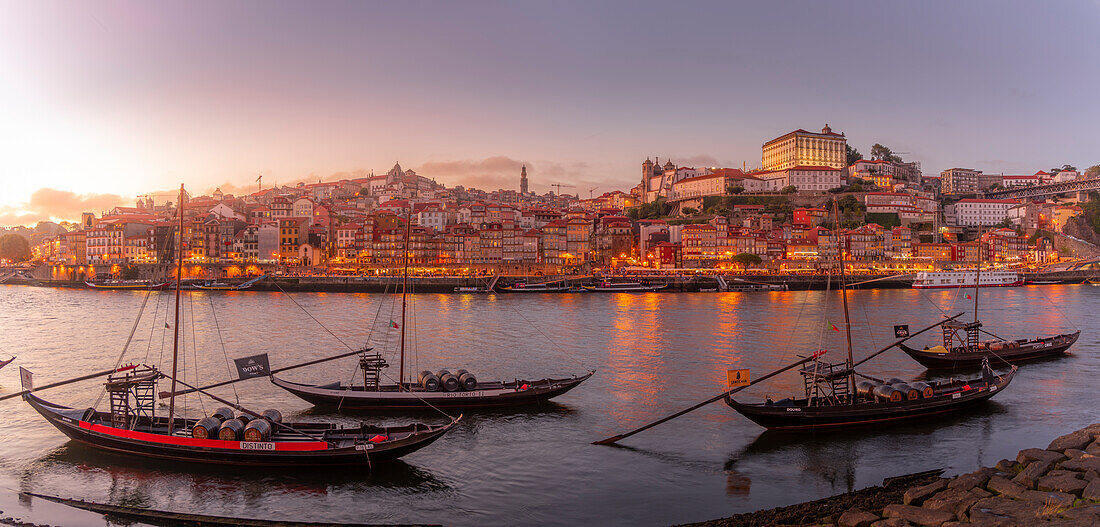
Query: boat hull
[[797, 416], [508, 394], [960, 357], [212, 451], [127, 287], [969, 286]]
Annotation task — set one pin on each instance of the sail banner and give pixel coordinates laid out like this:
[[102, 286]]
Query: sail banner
[[26, 378], [254, 366], [901, 331]]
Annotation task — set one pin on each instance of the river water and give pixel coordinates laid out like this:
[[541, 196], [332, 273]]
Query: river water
[[654, 354]]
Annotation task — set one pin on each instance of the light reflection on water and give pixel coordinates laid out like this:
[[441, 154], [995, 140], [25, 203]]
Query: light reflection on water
[[655, 354]]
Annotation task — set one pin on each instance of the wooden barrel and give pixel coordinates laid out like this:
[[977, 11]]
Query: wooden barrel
[[866, 388], [428, 381], [925, 389], [223, 414], [206, 428], [468, 381], [449, 382], [910, 393], [245, 418], [885, 392], [259, 430], [274, 416], [893, 380], [230, 430]]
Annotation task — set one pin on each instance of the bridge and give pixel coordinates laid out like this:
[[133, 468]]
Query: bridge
[[1077, 185]]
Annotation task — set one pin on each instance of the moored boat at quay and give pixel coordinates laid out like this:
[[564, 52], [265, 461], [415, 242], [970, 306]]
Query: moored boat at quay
[[966, 278], [608, 286], [133, 285]]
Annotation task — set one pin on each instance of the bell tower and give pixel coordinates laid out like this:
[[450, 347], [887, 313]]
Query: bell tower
[[523, 180]]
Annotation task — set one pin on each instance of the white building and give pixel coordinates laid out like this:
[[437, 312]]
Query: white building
[[804, 148], [803, 178], [975, 212], [432, 217]]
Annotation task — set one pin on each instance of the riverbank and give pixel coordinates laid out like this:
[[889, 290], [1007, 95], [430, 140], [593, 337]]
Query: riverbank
[[672, 283], [1058, 485]]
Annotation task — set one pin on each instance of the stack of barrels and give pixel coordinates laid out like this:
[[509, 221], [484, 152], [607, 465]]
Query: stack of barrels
[[894, 390], [447, 381], [244, 427]]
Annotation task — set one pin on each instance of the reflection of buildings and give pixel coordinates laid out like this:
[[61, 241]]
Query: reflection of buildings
[[737, 484]]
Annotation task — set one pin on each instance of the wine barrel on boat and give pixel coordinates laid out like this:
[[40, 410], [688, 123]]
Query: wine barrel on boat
[[428, 381], [924, 388], [223, 414], [866, 389], [206, 428], [259, 430], [245, 418], [466, 380], [908, 392], [230, 430], [448, 381], [894, 380], [274, 416], [885, 392]]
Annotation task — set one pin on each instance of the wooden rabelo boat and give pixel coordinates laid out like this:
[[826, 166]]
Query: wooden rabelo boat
[[132, 426], [545, 287], [443, 389], [963, 346], [6, 362], [833, 399], [131, 285]]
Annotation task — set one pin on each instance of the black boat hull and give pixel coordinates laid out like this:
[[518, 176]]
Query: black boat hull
[[186, 449], [332, 396], [800, 416], [964, 358]]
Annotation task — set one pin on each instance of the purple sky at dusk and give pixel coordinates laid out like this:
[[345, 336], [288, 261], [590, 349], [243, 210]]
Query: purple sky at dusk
[[122, 98]]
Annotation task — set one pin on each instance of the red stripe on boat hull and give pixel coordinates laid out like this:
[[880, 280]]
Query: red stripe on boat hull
[[280, 446]]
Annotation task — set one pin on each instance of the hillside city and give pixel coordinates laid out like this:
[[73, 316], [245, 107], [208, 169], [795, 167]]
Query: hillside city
[[778, 217]]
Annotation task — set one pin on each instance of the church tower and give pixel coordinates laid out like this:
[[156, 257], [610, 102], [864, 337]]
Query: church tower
[[523, 180], [647, 172]]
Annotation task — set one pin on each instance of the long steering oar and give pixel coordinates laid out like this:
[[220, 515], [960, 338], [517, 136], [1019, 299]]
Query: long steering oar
[[165, 395], [70, 381], [614, 439], [899, 341]]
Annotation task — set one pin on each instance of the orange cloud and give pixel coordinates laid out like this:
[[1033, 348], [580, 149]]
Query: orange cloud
[[50, 203]]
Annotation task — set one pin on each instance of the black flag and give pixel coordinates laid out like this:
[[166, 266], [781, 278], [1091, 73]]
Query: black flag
[[901, 331], [254, 366]]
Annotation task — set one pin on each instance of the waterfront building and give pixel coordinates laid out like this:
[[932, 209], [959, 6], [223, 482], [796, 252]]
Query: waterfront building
[[972, 212], [804, 178], [804, 148]]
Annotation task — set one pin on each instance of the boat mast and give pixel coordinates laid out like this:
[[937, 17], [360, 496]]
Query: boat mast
[[176, 326], [404, 293], [844, 298], [978, 274]]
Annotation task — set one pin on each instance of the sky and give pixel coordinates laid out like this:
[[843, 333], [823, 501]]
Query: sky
[[103, 101]]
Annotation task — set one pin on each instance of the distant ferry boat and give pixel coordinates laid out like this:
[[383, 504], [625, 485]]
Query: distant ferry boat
[[944, 279]]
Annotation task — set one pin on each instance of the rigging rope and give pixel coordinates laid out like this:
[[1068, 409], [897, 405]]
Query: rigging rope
[[153, 326], [217, 327], [194, 349], [118, 362]]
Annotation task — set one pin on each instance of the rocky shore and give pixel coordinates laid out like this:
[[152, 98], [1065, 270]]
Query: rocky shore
[[1055, 486]]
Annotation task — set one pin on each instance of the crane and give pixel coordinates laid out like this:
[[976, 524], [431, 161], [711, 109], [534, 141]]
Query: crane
[[560, 185], [259, 184], [590, 191]]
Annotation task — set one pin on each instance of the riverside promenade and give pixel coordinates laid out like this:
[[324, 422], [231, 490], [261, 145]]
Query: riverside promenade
[[1055, 486]]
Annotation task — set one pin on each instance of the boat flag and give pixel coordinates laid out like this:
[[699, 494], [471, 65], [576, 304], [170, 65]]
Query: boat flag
[[833, 327], [968, 296], [394, 324]]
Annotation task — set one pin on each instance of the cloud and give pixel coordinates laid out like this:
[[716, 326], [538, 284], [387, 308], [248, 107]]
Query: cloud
[[50, 203], [497, 172]]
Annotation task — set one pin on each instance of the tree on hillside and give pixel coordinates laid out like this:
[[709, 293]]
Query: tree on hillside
[[852, 154], [1093, 171], [690, 211], [789, 189], [14, 247], [1064, 167], [883, 153], [735, 189], [746, 259]]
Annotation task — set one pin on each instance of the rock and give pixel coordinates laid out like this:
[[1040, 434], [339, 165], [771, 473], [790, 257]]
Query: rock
[[891, 522], [980, 492], [1050, 499], [1063, 482], [1037, 454], [918, 515], [1090, 475], [951, 500], [916, 495], [1092, 490], [1004, 511], [856, 517], [1005, 487], [1073, 453], [1007, 466], [1031, 473], [1088, 514], [971, 480], [1077, 440], [1093, 448], [1082, 464]]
